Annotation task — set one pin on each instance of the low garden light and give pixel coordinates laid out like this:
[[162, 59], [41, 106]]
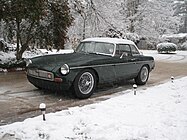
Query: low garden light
[[135, 87], [43, 109], [172, 79]]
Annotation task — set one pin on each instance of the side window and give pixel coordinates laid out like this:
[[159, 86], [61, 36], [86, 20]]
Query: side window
[[134, 50], [123, 48]]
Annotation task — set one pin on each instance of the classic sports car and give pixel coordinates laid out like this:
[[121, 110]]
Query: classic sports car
[[95, 61]]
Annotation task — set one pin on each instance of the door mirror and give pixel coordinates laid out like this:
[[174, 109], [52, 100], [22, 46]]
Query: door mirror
[[123, 54]]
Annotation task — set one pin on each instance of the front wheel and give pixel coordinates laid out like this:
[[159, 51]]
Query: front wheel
[[143, 76], [84, 84]]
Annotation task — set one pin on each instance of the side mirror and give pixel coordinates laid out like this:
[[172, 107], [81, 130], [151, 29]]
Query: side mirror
[[73, 49], [123, 54], [141, 53]]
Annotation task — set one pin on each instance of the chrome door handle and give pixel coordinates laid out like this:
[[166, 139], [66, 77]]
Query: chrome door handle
[[133, 59]]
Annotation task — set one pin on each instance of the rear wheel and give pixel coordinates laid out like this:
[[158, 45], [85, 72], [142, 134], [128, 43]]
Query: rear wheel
[[84, 84], [143, 76]]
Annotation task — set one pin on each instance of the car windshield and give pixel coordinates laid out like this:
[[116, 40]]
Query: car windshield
[[96, 47]]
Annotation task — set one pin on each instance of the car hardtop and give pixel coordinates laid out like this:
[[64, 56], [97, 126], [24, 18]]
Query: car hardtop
[[109, 40]]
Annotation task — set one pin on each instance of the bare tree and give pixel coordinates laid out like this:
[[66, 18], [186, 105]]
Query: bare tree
[[181, 10]]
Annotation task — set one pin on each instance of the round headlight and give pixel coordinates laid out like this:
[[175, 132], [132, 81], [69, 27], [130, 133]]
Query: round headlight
[[64, 69]]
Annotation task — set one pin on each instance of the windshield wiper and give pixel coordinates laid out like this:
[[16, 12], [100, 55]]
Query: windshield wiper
[[81, 52], [93, 52]]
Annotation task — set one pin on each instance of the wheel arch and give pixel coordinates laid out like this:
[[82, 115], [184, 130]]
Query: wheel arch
[[147, 65], [95, 72], [138, 78], [92, 69], [77, 91]]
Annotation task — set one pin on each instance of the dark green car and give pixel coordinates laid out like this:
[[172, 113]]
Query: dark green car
[[95, 61]]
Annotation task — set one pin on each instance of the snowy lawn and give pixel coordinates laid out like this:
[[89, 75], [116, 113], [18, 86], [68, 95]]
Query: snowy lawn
[[178, 56], [156, 113], [8, 56]]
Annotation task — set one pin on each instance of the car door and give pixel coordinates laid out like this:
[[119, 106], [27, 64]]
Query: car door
[[136, 57], [125, 66]]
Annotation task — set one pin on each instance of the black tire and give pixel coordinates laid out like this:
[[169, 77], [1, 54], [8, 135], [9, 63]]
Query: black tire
[[37, 87], [143, 76], [84, 84]]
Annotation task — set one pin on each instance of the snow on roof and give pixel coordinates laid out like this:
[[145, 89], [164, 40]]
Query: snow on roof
[[166, 45], [109, 40], [180, 35]]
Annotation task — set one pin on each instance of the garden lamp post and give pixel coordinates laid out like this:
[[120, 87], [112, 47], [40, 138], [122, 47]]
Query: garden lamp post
[[43, 109], [135, 87], [172, 78]]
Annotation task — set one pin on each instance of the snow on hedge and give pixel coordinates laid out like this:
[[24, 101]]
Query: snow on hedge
[[166, 47], [8, 46], [10, 55], [39, 52], [7, 57], [179, 36], [184, 46]]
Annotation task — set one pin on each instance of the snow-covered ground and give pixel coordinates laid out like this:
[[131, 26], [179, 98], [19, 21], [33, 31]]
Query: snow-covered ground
[[178, 56], [6, 57], [156, 113], [41, 52]]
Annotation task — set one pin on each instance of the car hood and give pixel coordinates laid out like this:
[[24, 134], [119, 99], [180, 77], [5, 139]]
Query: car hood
[[50, 62]]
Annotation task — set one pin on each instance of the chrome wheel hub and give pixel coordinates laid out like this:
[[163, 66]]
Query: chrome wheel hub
[[144, 74], [86, 83]]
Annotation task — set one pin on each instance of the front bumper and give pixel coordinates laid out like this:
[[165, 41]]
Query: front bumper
[[41, 74], [48, 85], [47, 80]]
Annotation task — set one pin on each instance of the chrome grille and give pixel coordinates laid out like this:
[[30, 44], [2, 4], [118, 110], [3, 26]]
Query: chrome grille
[[41, 74]]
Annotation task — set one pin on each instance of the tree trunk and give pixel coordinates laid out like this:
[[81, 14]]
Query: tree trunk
[[185, 23], [131, 28], [18, 55], [18, 38], [21, 51], [84, 29], [24, 46]]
